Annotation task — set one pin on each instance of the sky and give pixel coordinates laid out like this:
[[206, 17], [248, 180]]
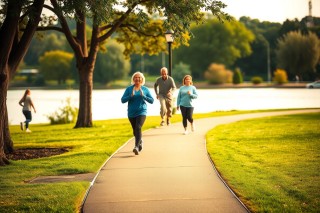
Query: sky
[[271, 10]]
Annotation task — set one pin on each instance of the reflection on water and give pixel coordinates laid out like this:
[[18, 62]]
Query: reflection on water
[[106, 104]]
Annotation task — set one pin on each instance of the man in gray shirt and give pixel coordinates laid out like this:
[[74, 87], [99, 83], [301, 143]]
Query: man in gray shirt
[[164, 88]]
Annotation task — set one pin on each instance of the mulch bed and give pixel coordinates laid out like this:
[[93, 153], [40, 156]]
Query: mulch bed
[[32, 153]]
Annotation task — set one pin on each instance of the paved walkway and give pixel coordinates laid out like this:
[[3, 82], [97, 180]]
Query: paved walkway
[[173, 173]]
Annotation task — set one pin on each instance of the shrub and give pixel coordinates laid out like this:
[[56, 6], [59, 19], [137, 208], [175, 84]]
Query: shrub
[[256, 80], [64, 115], [237, 77], [218, 74], [280, 76]]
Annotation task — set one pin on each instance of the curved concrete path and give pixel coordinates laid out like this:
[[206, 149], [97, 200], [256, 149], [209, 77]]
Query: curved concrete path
[[172, 174]]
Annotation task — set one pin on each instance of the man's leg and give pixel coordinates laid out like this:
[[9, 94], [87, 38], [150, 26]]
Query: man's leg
[[163, 109], [169, 110]]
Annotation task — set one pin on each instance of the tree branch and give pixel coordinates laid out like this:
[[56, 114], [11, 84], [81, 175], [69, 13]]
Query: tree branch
[[117, 24], [19, 52], [135, 29], [59, 29], [65, 28]]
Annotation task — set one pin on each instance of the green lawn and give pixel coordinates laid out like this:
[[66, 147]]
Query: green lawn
[[272, 163], [90, 147]]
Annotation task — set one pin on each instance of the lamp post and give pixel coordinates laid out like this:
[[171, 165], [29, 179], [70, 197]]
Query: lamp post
[[268, 62], [169, 38]]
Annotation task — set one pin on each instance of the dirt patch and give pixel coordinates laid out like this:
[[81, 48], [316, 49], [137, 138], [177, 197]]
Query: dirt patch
[[32, 153]]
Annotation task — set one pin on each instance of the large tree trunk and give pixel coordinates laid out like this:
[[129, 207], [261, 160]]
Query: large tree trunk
[[8, 143], [85, 67], [85, 97], [3, 103], [13, 48]]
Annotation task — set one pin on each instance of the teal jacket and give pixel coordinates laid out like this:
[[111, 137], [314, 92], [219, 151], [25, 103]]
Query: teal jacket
[[137, 103]]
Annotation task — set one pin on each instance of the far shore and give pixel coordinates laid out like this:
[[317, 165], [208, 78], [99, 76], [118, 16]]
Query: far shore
[[250, 85], [199, 85]]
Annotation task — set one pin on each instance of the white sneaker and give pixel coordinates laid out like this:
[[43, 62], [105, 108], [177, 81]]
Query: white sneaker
[[28, 130], [186, 132], [21, 126], [135, 150], [193, 128]]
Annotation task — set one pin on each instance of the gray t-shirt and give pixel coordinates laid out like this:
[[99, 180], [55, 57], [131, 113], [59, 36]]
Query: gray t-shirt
[[163, 87], [27, 103]]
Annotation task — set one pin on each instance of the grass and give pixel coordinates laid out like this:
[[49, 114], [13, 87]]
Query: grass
[[272, 163], [88, 150]]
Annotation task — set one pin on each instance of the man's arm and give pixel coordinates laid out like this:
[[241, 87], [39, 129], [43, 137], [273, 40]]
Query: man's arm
[[173, 88], [155, 86]]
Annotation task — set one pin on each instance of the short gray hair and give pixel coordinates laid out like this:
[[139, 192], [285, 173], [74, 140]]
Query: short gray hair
[[164, 68], [142, 76]]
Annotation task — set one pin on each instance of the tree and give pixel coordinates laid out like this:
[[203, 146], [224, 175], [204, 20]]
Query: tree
[[266, 35], [111, 65], [42, 43], [179, 71], [298, 54], [18, 23], [56, 65], [149, 64], [289, 26], [221, 43], [130, 22], [237, 76]]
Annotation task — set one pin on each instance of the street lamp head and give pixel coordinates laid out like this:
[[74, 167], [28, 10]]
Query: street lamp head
[[169, 36]]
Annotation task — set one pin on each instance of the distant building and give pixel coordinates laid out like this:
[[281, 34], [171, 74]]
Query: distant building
[[310, 19], [28, 72], [28, 77]]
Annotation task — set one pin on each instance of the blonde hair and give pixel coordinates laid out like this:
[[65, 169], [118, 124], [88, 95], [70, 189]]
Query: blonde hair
[[184, 78], [141, 75]]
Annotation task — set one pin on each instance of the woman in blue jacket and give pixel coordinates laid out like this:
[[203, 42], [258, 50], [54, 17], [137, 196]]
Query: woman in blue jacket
[[186, 94], [137, 95]]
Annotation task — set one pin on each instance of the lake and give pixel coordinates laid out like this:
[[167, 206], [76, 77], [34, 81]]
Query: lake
[[106, 104]]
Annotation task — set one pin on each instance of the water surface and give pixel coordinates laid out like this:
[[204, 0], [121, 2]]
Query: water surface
[[106, 104]]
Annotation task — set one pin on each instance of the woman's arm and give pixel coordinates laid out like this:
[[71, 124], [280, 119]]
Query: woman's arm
[[147, 95], [20, 102], [126, 95], [194, 93], [178, 99], [31, 104]]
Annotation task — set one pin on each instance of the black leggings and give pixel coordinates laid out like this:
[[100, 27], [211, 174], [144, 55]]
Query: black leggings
[[187, 113], [137, 123], [28, 116]]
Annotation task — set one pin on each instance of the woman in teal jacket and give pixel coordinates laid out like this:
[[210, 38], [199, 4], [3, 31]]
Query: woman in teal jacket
[[137, 95], [186, 94]]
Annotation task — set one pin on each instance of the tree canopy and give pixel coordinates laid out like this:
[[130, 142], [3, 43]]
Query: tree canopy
[[298, 54], [215, 42], [111, 64], [56, 65]]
